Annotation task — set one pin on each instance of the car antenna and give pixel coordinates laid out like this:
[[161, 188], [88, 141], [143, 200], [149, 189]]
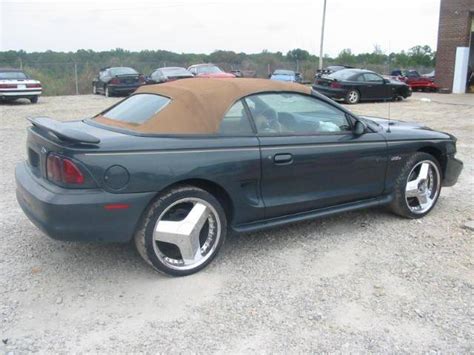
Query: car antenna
[[389, 102], [389, 121]]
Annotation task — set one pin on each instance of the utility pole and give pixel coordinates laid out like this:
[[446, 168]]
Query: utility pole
[[321, 48]]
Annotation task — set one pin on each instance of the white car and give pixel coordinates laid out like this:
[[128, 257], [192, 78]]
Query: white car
[[15, 84]]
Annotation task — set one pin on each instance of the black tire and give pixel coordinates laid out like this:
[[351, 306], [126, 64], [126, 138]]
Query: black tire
[[34, 99], [352, 97], [399, 204], [144, 239]]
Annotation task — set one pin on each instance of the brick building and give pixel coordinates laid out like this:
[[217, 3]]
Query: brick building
[[456, 29]]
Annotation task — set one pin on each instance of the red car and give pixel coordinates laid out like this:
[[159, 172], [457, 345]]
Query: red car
[[209, 71], [415, 80]]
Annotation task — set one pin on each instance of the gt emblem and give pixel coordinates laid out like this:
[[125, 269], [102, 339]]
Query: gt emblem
[[396, 157]]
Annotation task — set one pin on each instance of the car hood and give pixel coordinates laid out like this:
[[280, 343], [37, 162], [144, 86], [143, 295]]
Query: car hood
[[400, 130]]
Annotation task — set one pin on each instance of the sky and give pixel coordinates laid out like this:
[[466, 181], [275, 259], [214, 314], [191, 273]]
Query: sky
[[202, 26]]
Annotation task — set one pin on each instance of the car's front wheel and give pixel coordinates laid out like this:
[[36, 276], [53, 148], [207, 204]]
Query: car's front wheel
[[352, 97], [418, 186], [182, 231]]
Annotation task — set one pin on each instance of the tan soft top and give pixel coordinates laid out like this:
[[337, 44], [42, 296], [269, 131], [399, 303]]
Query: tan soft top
[[198, 105]]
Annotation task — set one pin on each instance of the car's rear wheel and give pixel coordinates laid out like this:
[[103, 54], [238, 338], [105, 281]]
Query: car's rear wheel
[[34, 99], [418, 186], [94, 89], [352, 97], [182, 231]]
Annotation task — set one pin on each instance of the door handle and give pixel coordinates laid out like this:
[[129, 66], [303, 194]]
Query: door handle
[[283, 158]]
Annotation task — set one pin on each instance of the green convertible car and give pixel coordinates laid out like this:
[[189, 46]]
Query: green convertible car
[[179, 165]]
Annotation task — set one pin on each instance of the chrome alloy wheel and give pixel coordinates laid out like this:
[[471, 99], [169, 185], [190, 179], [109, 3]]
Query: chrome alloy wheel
[[423, 186], [186, 234], [353, 97]]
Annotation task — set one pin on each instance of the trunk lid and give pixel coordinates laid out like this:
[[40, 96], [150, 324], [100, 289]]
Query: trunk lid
[[324, 81], [70, 139], [128, 79]]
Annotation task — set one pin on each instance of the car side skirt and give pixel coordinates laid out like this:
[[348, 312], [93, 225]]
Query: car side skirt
[[323, 212]]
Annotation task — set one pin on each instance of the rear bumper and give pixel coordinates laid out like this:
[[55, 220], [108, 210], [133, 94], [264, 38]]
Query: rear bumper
[[123, 89], [337, 94], [78, 215], [19, 94], [453, 170]]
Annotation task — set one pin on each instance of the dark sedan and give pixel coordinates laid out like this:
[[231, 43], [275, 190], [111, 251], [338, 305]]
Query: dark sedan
[[354, 85], [117, 81], [176, 166], [163, 75]]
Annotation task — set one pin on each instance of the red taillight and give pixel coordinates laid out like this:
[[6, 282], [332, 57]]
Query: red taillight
[[141, 79], [7, 86], [335, 85], [114, 81], [33, 85], [62, 170]]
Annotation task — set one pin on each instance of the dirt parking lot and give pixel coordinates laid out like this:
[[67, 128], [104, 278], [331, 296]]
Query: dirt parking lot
[[360, 282]]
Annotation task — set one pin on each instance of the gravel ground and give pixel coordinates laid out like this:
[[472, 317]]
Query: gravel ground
[[359, 282]]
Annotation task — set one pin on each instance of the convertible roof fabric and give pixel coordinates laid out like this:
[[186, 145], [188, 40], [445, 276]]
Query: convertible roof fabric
[[198, 105]]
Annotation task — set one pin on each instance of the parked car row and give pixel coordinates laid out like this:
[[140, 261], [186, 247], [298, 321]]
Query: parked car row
[[338, 82], [123, 80]]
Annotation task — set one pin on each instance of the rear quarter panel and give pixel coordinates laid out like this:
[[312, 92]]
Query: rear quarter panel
[[231, 163]]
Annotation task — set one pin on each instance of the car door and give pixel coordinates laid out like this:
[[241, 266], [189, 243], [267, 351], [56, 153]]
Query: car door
[[310, 157], [375, 86]]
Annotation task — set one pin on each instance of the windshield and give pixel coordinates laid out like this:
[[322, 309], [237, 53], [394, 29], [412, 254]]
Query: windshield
[[137, 108], [123, 71], [13, 75], [205, 69], [344, 74], [284, 72], [175, 72]]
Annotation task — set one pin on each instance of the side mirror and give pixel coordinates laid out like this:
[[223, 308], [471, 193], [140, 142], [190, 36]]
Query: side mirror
[[359, 128], [386, 81]]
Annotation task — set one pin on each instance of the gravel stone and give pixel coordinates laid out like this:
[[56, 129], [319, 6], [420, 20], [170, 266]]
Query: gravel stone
[[360, 282], [469, 225]]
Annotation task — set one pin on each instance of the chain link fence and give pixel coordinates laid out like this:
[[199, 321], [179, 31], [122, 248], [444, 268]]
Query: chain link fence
[[73, 78]]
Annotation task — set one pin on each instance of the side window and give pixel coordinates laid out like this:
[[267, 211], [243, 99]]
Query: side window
[[103, 74], [360, 78], [373, 78], [236, 122], [290, 113]]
